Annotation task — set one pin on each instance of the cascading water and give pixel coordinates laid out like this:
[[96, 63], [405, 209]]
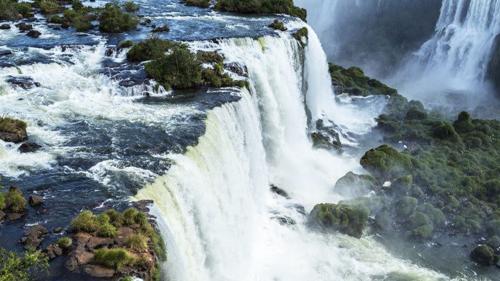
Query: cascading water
[[460, 49], [218, 215]]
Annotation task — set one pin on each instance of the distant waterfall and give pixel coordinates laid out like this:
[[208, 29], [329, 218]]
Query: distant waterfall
[[463, 39]]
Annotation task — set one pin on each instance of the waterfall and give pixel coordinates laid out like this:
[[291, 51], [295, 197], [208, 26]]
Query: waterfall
[[462, 43], [217, 213]]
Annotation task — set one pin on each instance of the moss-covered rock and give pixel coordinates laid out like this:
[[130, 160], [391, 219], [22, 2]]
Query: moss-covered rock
[[301, 35], [354, 82], [13, 130], [261, 7], [350, 220], [353, 185], [386, 162], [484, 255], [278, 25]]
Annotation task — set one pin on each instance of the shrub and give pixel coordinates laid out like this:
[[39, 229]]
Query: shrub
[[129, 216], [14, 200], [114, 258], [115, 217], [197, 3], [25, 9], [106, 230], [130, 7], [178, 70], [2, 201], [386, 162], [86, 221], [21, 268], [77, 5], [113, 20], [125, 44], [278, 25], [49, 7], [350, 220], [64, 242], [150, 49], [137, 242], [8, 10], [261, 7], [301, 33]]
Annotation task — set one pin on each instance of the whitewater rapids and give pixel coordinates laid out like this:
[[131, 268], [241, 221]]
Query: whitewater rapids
[[216, 212]]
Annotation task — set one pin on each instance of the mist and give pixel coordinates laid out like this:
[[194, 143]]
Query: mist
[[437, 51]]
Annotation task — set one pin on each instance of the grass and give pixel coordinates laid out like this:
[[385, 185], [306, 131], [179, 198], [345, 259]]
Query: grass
[[115, 258]]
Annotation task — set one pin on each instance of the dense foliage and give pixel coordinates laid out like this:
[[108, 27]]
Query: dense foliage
[[354, 82], [261, 7], [197, 3], [14, 267], [114, 20], [13, 10]]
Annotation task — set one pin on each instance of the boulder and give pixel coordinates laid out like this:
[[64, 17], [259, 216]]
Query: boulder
[[23, 82], [98, 242], [279, 191], [386, 162], [29, 147], [53, 251], [484, 255], [353, 185], [5, 52], [98, 271], [163, 28], [34, 33], [326, 135], [12, 130], [33, 236], [4, 26], [35, 200], [234, 67], [83, 257], [23, 27], [346, 219]]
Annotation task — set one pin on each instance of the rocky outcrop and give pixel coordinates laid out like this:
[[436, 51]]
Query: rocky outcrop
[[326, 135], [114, 245], [33, 236], [23, 82], [484, 255], [12, 204]]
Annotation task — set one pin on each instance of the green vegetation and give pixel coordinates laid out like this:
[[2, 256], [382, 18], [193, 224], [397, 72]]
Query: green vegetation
[[21, 268], [107, 224], [49, 7], [261, 7], [150, 49], [114, 258], [278, 25], [12, 129], [386, 162], [80, 19], [64, 242], [137, 242], [113, 20], [354, 82], [130, 7], [13, 201], [14, 10], [178, 70], [347, 219], [174, 66], [301, 34], [125, 44], [197, 3]]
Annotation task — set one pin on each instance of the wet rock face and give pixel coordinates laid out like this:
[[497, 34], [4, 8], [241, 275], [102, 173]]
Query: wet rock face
[[29, 147], [5, 26], [326, 136], [23, 27], [35, 200], [34, 33], [33, 236], [23, 82]]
